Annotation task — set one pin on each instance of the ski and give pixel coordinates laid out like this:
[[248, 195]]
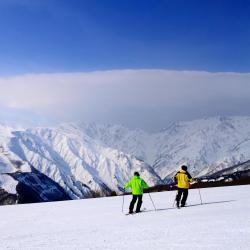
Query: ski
[[130, 213], [144, 210]]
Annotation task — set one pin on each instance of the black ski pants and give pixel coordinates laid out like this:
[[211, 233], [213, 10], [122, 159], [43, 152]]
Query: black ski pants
[[182, 192], [132, 203]]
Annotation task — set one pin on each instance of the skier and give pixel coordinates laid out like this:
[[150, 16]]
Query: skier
[[137, 184], [183, 179]]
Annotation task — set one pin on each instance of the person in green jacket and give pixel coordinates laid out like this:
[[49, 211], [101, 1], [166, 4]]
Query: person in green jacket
[[137, 184]]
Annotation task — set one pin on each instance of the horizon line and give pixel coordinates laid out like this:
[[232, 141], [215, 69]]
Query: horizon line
[[123, 70]]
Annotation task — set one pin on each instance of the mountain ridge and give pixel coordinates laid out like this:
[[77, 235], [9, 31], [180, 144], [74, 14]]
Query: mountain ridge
[[85, 157]]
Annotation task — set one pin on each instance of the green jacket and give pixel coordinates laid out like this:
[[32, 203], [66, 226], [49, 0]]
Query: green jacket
[[137, 184]]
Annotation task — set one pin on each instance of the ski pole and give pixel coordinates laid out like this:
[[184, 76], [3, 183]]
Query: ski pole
[[175, 199], [152, 201], [122, 202], [199, 191], [174, 203]]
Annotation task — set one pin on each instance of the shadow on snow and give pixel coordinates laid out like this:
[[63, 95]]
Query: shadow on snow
[[193, 205]]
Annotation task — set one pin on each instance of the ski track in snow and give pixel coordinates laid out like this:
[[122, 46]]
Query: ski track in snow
[[223, 222]]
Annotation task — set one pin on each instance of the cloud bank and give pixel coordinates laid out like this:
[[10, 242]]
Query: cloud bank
[[136, 98]]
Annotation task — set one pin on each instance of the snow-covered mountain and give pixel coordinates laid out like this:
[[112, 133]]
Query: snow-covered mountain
[[204, 145], [17, 176], [85, 158], [78, 163]]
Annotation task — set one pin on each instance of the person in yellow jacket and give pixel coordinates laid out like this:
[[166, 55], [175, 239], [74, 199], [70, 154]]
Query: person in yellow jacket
[[137, 184], [183, 179]]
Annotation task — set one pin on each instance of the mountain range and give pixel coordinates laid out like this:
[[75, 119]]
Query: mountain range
[[88, 159]]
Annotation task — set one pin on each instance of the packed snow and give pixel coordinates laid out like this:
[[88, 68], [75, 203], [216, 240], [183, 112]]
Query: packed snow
[[222, 222]]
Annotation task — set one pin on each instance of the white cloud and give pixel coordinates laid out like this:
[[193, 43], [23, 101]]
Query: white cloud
[[145, 98]]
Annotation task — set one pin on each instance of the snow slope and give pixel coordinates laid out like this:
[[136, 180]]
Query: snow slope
[[222, 222]]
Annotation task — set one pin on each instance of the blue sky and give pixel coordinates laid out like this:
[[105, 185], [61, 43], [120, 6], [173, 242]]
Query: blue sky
[[140, 63], [47, 36]]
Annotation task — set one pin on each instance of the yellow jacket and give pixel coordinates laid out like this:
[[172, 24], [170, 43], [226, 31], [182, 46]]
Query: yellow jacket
[[183, 178]]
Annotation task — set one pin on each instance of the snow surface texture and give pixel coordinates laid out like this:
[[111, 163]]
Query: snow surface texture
[[222, 222], [82, 157]]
